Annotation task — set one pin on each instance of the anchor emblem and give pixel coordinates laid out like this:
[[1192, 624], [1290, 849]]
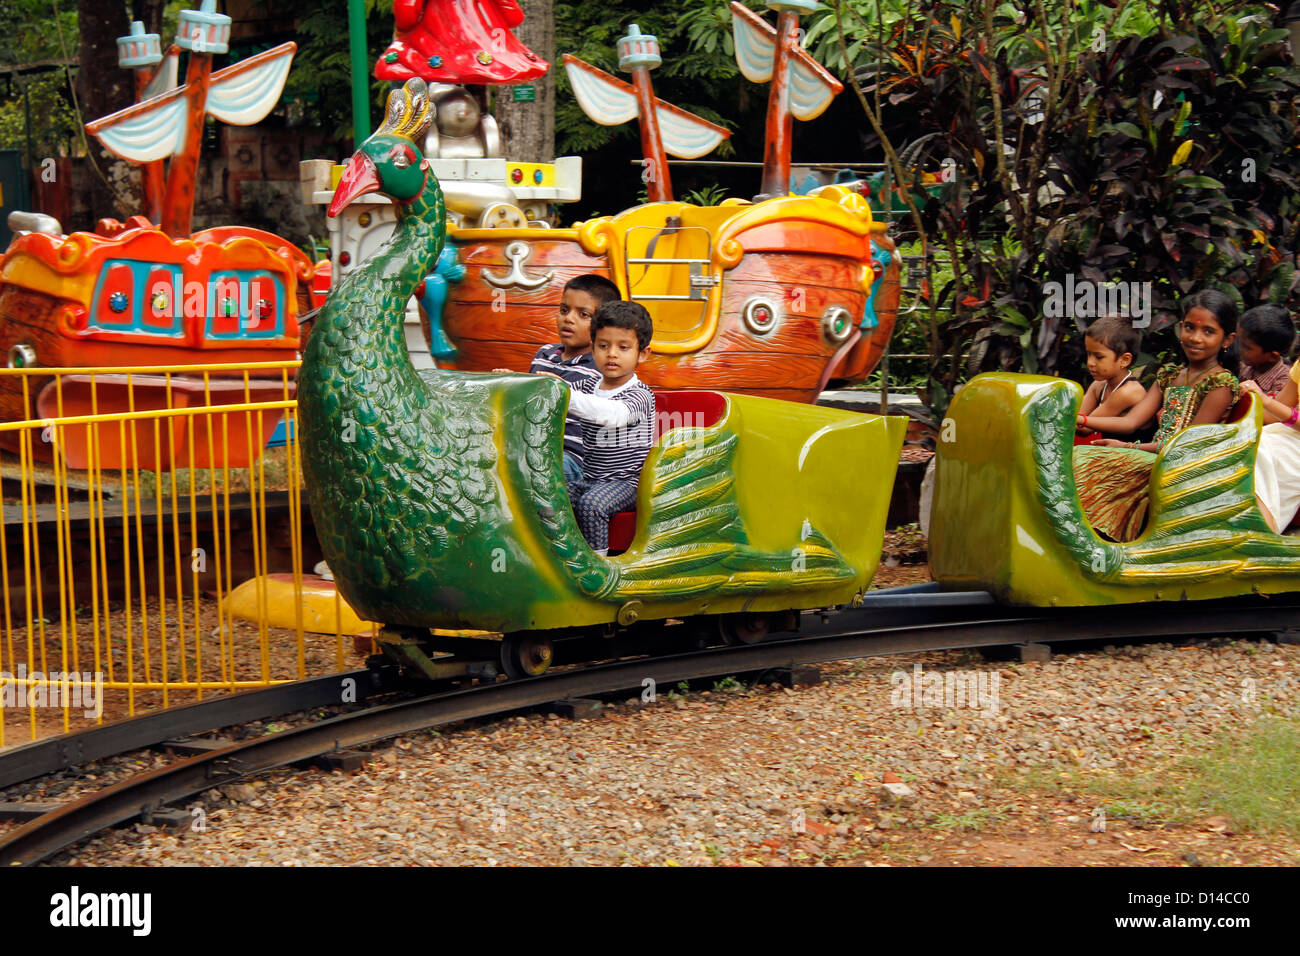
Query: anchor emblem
[[517, 252]]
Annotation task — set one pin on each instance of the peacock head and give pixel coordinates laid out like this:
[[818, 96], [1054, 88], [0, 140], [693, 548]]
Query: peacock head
[[390, 161]]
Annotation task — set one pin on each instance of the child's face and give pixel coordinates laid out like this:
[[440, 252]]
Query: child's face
[[1253, 354], [1103, 363], [573, 322], [1202, 337], [617, 354]]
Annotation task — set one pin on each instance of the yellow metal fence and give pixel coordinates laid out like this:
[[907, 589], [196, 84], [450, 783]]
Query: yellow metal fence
[[135, 501]]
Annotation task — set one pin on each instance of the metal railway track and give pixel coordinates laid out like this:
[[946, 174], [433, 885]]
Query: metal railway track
[[53, 754], [915, 604], [839, 635]]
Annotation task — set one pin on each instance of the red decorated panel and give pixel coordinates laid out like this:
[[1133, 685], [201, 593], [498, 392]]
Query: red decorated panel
[[159, 311], [263, 305], [118, 287]]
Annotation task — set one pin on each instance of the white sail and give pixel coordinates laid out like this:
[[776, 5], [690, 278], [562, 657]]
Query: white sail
[[755, 45], [244, 93], [811, 87], [687, 136], [609, 104], [147, 131], [155, 128], [165, 79], [609, 101], [810, 94]]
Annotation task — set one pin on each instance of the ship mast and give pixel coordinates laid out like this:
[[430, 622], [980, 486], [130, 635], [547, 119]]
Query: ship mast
[[801, 88], [142, 53], [780, 121], [665, 129], [638, 54], [168, 124], [202, 32]]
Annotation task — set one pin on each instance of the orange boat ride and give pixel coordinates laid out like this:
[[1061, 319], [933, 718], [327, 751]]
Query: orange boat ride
[[779, 297], [138, 296]]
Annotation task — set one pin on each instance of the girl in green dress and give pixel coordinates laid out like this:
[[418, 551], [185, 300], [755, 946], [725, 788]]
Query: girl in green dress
[[1112, 476]]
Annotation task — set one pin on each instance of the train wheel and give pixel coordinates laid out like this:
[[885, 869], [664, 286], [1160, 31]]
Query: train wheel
[[524, 655], [743, 628]]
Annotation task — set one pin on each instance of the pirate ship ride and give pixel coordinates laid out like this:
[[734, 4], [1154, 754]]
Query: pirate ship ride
[[136, 294], [775, 297]]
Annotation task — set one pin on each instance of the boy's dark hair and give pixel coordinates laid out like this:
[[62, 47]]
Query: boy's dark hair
[[598, 287], [624, 315], [1117, 334], [1270, 327]]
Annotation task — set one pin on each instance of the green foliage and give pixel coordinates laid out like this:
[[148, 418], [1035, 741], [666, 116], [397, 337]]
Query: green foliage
[[29, 30], [29, 33], [53, 123], [710, 195], [1117, 145], [321, 79]]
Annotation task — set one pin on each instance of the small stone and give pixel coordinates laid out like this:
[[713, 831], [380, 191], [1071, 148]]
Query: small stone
[[897, 794]]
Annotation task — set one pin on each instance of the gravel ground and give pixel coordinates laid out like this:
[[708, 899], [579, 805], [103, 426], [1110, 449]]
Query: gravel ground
[[770, 776]]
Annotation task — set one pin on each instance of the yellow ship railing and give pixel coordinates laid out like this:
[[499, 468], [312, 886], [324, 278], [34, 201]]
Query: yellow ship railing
[[113, 577]]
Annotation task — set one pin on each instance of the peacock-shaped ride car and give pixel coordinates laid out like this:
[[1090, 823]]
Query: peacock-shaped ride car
[[1007, 516], [438, 496]]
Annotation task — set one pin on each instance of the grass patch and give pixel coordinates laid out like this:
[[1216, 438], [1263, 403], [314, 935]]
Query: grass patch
[[1254, 781], [1250, 777], [976, 819]]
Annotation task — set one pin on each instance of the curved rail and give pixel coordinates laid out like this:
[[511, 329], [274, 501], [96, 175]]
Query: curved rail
[[52, 754], [117, 804]]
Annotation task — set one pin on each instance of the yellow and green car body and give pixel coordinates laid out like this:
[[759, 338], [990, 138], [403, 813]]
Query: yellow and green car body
[[1006, 516], [774, 506]]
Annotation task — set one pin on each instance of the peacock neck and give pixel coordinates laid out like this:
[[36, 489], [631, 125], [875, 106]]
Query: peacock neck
[[394, 271]]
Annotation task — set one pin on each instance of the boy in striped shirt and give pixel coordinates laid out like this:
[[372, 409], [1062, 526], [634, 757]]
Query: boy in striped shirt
[[617, 414], [570, 358]]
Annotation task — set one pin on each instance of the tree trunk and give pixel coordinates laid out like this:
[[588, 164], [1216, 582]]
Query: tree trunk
[[103, 88], [150, 13], [528, 128]]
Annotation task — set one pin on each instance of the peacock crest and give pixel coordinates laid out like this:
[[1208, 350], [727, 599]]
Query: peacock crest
[[409, 112]]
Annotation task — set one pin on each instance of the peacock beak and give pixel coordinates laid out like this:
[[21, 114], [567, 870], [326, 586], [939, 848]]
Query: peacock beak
[[360, 177]]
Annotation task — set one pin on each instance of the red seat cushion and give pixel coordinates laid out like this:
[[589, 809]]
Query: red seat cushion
[[1239, 410], [672, 410], [687, 410], [622, 529]]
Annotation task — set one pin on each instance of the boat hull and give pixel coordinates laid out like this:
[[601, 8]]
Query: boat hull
[[141, 299], [802, 259]]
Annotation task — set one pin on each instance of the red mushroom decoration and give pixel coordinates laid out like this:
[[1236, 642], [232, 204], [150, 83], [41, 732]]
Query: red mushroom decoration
[[458, 41]]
